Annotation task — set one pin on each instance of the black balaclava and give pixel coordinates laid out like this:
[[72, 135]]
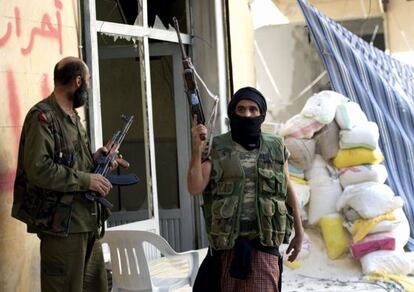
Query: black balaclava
[[80, 96], [244, 130]]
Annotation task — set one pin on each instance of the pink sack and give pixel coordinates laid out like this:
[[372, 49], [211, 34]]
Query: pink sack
[[373, 242]]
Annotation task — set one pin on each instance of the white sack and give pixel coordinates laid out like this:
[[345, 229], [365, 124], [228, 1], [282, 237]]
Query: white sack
[[392, 262], [362, 173], [323, 199], [300, 127], [364, 135], [385, 226], [402, 231], [410, 256], [322, 106], [349, 114], [369, 199]]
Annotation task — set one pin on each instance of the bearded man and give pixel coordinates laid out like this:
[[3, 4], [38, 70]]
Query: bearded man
[[54, 172]]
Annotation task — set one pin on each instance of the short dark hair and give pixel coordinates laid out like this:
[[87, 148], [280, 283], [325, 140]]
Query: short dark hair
[[64, 74]]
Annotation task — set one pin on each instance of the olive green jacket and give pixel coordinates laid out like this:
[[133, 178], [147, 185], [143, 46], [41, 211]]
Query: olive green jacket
[[48, 193]]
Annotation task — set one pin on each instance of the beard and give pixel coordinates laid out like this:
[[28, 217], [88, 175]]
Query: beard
[[80, 96]]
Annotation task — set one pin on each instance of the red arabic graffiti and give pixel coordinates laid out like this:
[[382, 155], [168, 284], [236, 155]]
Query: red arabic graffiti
[[46, 30], [14, 28], [14, 105], [18, 22], [6, 36], [7, 177]]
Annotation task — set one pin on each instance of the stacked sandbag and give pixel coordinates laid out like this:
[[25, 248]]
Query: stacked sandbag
[[300, 127], [312, 138], [322, 106], [301, 152], [362, 173], [358, 138], [369, 199], [372, 212], [349, 114], [325, 193], [325, 190], [319, 110], [327, 141], [335, 164], [334, 235], [317, 116]]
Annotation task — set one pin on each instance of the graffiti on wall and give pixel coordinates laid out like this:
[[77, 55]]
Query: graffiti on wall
[[49, 28], [45, 30]]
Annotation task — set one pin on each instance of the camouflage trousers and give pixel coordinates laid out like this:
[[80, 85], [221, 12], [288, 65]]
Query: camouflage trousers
[[72, 264]]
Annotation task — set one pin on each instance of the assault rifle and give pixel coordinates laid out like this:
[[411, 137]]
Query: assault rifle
[[190, 83], [104, 163]]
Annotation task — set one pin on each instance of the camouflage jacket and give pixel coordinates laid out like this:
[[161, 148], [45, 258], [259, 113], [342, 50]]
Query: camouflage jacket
[[53, 172], [223, 197]]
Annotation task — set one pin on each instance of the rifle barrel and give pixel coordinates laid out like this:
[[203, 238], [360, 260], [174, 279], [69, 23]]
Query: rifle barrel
[[177, 29], [103, 163], [117, 143]]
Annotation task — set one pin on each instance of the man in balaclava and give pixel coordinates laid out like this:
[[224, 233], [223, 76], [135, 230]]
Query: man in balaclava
[[245, 125], [250, 207]]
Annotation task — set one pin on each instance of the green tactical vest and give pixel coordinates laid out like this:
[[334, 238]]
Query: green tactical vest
[[223, 197], [42, 210]]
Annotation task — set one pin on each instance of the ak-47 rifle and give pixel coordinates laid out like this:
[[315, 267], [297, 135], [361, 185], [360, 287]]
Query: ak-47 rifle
[[190, 83], [104, 163]]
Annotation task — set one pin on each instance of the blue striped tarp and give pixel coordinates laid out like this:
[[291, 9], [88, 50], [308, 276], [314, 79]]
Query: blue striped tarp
[[382, 86]]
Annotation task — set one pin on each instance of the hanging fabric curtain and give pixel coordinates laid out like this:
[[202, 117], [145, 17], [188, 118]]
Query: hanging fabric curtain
[[383, 87]]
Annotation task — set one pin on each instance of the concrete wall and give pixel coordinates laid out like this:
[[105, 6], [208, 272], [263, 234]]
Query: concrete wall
[[335, 9], [285, 64], [399, 21], [34, 35], [285, 61], [270, 48], [242, 46], [398, 15]]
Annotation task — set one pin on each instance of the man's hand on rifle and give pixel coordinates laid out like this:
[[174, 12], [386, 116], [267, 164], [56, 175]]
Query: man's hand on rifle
[[196, 131], [103, 151], [119, 161], [99, 183]]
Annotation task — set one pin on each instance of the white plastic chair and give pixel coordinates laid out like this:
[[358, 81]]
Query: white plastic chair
[[130, 271]]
